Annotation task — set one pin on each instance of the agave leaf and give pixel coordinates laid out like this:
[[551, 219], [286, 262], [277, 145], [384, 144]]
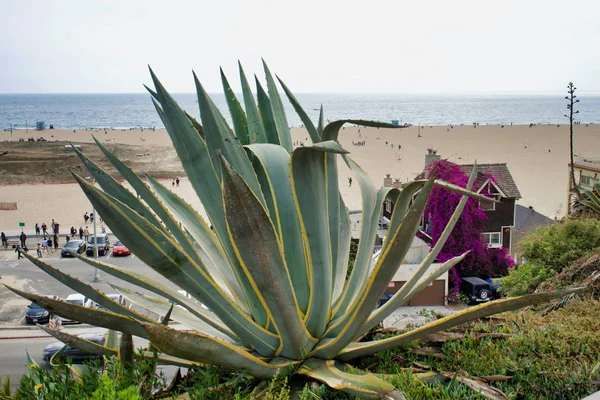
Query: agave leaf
[[332, 129], [343, 251], [281, 122], [261, 253], [163, 307], [315, 135], [399, 297], [30, 360], [461, 190], [310, 189], [156, 287], [240, 124], [126, 348], [471, 314], [210, 250], [105, 319], [110, 185], [365, 386], [80, 343], [112, 339], [146, 194], [383, 272], [321, 125], [195, 346], [196, 125], [221, 140], [256, 130], [401, 203], [592, 200], [372, 202], [168, 259], [266, 114], [272, 166], [85, 289], [193, 152]]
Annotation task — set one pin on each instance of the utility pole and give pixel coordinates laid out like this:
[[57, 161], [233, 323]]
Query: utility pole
[[570, 106]]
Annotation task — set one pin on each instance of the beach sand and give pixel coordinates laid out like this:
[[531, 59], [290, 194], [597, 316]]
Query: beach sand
[[537, 158]]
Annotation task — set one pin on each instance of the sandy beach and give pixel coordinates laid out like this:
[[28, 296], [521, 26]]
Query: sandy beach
[[536, 156]]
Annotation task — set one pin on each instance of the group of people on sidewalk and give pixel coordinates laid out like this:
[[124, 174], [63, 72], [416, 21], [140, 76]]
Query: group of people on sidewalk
[[51, 243]]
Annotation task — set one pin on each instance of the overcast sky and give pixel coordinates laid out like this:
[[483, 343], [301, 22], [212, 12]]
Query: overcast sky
[[318, 46]]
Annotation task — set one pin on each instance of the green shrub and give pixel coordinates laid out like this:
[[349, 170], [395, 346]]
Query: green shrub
[[559, 245], [525, 278]]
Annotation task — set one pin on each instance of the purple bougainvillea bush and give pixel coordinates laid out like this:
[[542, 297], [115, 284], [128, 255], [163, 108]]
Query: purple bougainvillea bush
[[482, 261]]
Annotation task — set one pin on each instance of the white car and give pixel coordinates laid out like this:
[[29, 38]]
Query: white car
[[77, 299], [117, 298]]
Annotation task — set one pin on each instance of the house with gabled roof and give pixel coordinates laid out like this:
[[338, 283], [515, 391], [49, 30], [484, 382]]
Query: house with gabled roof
[[495, 181]]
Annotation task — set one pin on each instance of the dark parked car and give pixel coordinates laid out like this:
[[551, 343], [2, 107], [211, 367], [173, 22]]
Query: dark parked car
[[103, 245], [38, 315], [75, 245], [476, 289], [76, 355]]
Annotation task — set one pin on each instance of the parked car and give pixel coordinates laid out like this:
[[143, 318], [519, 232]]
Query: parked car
[[119, 249], [476, 289], [103, 245], [77, 299], [113, 296], [77, 356], [38, 315], [73, 245]]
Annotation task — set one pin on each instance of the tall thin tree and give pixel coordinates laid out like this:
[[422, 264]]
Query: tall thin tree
[[570, 106]]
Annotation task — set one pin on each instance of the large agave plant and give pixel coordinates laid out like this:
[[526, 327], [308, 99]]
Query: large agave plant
[[267, 274], [591, 198]]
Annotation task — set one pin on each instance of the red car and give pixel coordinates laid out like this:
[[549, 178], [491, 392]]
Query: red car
[[120, 250]]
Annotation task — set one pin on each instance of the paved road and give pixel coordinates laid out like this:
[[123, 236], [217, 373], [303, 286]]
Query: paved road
[[25, 275], [13, 361]]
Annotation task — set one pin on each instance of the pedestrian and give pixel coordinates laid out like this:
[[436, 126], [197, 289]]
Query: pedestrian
[[173, 182], [349, 181], [55, 242], [86, 234], [86, 217], [18, 251], [39, 250], [177, 182], [37, 228], [68, 238], [103, 229], [49, 243], [91, 217], [45, 245], [57, 228], [4, 240], [44, 229], [80, 233], [73, 231], [23, 238]]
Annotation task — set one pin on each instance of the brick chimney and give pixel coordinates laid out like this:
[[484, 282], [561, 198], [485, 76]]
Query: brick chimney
[[431, 156], [397, 183], [387, 181]]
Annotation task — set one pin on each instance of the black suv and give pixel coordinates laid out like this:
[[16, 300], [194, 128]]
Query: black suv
[[103, 245], [476, 289]]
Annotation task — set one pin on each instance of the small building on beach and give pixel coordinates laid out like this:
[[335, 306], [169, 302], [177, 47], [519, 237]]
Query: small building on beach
[[587, 174]]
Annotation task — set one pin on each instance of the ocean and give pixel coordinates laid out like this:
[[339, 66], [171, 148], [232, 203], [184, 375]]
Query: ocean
[[80, 111]]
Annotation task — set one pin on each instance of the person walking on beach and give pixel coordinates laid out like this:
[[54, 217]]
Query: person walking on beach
[[55, 242], [44, 229], [91, 217], [49, 243], [177, 181], [23, 238], [4, 240], [86, 234], [349, 181], [18, 251], [173, 182], [39, 250], [45, 245], [86, 217], [37, 228], [80, 233]]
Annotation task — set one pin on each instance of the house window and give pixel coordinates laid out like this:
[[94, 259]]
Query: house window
[[487, 205], [585, 180], [388, 205], [493, 239]]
